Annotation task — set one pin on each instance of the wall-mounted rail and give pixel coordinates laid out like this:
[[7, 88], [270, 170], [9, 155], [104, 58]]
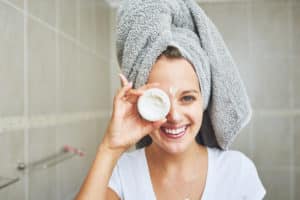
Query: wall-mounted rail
[[4, 182], [66, 153]]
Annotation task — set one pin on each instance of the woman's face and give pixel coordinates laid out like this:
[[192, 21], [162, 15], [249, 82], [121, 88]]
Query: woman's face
[[179, 80]]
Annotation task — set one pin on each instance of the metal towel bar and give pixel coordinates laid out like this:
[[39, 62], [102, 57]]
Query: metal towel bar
[[4, 182], [66, 153]]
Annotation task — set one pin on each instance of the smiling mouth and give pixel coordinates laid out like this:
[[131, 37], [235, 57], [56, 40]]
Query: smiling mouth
[[174, 133]]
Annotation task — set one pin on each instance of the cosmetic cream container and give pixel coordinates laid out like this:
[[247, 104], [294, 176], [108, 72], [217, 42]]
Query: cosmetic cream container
[[153, 105]]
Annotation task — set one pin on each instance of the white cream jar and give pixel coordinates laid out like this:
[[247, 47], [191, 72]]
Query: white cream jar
[[154, 104]]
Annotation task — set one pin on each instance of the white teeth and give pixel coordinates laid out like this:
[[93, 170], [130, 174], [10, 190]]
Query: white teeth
[[174, 131]]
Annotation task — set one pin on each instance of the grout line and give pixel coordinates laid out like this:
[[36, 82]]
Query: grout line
[[290, 58], [291, 102], [40, 121], [282, 112], [57, 59], [293, 154], [78, 27], [57, 104], [275, 168], [249, 28], [111, 79], [94, 20], [26, 98], [56, 30]]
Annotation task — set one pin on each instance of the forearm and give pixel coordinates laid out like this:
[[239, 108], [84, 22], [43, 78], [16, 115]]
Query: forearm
[[96, 182]]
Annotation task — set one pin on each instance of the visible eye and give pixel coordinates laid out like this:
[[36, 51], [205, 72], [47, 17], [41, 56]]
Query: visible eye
[[188, 99]]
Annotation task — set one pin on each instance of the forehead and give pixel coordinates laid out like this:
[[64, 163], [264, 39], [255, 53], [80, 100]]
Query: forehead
[[174, 72]]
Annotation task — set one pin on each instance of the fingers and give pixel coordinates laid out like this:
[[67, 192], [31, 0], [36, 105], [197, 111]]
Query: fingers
[[138, 91], [124, 80], [141, 90], [122, 92], [133, 94], [128, 94]]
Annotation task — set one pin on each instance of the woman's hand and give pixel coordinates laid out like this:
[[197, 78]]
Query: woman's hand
[[126, 127]]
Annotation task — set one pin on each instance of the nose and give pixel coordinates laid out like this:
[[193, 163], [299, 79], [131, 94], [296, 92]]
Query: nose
[[174, 115]]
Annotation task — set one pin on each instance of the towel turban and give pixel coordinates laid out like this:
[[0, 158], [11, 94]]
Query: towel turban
[[145, 28]]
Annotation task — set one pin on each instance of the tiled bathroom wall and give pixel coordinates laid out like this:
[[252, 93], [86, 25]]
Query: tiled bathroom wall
[[264, 39], [54, 91], [58, 74]]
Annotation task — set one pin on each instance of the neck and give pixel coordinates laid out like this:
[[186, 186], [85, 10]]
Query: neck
[[183, 164]]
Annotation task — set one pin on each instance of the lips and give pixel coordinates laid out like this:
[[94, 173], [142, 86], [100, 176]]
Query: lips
[[174, 132]]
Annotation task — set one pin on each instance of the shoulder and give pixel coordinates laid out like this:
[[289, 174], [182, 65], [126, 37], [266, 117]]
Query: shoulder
[[238, 170], [230, 163], [230, 158]]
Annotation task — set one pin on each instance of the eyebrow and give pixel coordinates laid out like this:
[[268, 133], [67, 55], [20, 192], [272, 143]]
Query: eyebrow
[[190, 91]]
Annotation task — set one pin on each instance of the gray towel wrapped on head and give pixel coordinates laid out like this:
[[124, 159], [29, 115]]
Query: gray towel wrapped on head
[[145, 28]]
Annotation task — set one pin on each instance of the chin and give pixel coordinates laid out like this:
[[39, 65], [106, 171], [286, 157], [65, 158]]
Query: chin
[[172, 147], [175, 148]]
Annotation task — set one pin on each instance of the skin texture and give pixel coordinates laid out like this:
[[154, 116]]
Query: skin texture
[[186, 106], [172, 163]]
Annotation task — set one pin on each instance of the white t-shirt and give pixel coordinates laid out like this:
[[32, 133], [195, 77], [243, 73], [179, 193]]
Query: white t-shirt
[[231, 176]]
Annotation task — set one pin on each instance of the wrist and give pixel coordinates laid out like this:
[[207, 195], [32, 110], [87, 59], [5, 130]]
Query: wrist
[[106, 147]]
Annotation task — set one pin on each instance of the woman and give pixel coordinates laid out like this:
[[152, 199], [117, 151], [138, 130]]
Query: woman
[[170, 167], [182, 156]]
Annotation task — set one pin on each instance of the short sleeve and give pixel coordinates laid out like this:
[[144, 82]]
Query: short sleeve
[[115, 182], [253, 188]]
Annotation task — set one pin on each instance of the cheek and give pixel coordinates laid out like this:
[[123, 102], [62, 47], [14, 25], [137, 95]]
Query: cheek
[[196, 114]]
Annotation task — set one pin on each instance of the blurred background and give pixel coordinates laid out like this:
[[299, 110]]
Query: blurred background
[[58, 74]]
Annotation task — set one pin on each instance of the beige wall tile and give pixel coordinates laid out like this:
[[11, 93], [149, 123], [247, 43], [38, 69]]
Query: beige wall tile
[[18, 3], [44, 10], [232, 20], [14, 192], [297, 184], [277, 183], [42, 69], [296, 28], [11, 153], [296, 141], [82, 135], [42, 143], [95, 83], [272, 141], [243, 141], [69, 78], [84, 85], [270, 83], [42, 146], [295, 65], [88, 24], [103, 34], [42, 184], [270, 29], [11, 61], [68, 17]]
